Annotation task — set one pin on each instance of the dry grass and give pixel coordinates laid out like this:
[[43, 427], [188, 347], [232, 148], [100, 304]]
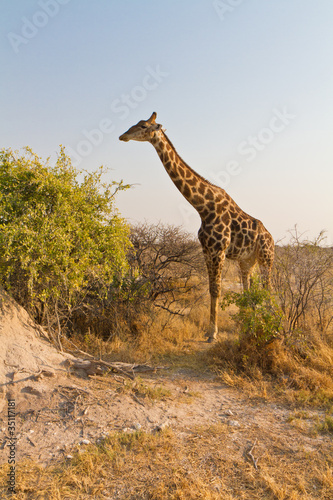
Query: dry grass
[[139, 388], [166, 466], [154, 337], [277, 370]]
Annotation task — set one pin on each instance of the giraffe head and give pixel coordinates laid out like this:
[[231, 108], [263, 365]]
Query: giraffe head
[[144, 130]]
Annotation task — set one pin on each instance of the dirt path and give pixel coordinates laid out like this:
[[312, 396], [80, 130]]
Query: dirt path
[[55, 417]]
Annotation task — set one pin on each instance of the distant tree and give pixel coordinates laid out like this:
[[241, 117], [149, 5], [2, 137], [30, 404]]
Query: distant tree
[[167, 264], [303, 281], [60, 233]]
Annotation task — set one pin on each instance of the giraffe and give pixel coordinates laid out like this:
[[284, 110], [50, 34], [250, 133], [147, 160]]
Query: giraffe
[[226, 230]]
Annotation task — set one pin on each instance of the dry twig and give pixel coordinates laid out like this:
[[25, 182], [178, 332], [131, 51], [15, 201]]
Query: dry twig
[[250, 455], [137, 400]]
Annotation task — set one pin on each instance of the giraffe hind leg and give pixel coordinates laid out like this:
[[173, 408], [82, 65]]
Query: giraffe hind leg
[[266, 259], [246, 269], [265, 272]]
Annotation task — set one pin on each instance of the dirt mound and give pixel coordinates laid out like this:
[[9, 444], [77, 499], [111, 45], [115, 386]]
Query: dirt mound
[[25, 350]]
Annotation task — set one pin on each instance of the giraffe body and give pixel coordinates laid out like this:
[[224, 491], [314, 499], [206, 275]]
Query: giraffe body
[[226, 230]]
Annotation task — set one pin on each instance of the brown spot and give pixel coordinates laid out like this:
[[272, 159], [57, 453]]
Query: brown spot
[[239, 240], [209, 219], [181, 172], [198, 200], [178, 183], [209, 195], [217, 236], [192, 181], [186, 191], [234, 225], [201, 188]]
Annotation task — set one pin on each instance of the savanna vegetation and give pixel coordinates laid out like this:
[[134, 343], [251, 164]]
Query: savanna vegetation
[[140, 293]]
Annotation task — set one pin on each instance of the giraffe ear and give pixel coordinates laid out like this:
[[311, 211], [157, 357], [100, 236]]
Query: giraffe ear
[[152, 119]]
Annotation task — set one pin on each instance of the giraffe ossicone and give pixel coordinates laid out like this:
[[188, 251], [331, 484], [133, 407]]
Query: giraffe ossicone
[[226, 230]]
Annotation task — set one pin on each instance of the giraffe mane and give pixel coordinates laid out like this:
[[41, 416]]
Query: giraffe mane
[[184, 162]]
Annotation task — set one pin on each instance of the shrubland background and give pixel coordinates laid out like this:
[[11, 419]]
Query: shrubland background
[[140, 293]]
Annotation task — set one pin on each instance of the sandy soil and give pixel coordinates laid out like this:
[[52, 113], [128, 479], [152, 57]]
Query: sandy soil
[[56, 416]]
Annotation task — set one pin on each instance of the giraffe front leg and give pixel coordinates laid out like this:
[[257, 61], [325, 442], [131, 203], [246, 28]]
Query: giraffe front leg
[[213, 329], [214, 266]]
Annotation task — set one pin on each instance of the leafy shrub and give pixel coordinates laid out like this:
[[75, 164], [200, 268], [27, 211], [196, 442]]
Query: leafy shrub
[[61, 238], [258, 316]]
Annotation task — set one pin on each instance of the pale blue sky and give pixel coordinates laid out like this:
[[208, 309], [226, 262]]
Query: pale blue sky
[[244, 89]]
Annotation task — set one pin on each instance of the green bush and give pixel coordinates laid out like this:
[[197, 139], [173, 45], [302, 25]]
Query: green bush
[[258, 315], [61, 236]]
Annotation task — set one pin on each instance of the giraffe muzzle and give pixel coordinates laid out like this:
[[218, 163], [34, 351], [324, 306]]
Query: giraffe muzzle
[[124, 138]]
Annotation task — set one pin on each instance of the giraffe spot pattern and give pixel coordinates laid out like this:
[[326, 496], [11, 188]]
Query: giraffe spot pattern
[[226, 230]]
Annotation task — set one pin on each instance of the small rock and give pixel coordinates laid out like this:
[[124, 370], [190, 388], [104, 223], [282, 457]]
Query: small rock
[[137, 426], [233, 423], [69, 456], [85, 441]]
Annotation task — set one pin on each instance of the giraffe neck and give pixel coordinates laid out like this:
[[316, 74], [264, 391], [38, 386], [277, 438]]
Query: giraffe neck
[[192, 186]]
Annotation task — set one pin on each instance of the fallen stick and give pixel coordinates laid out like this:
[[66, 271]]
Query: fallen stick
[[126, 369], [250, 455]]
